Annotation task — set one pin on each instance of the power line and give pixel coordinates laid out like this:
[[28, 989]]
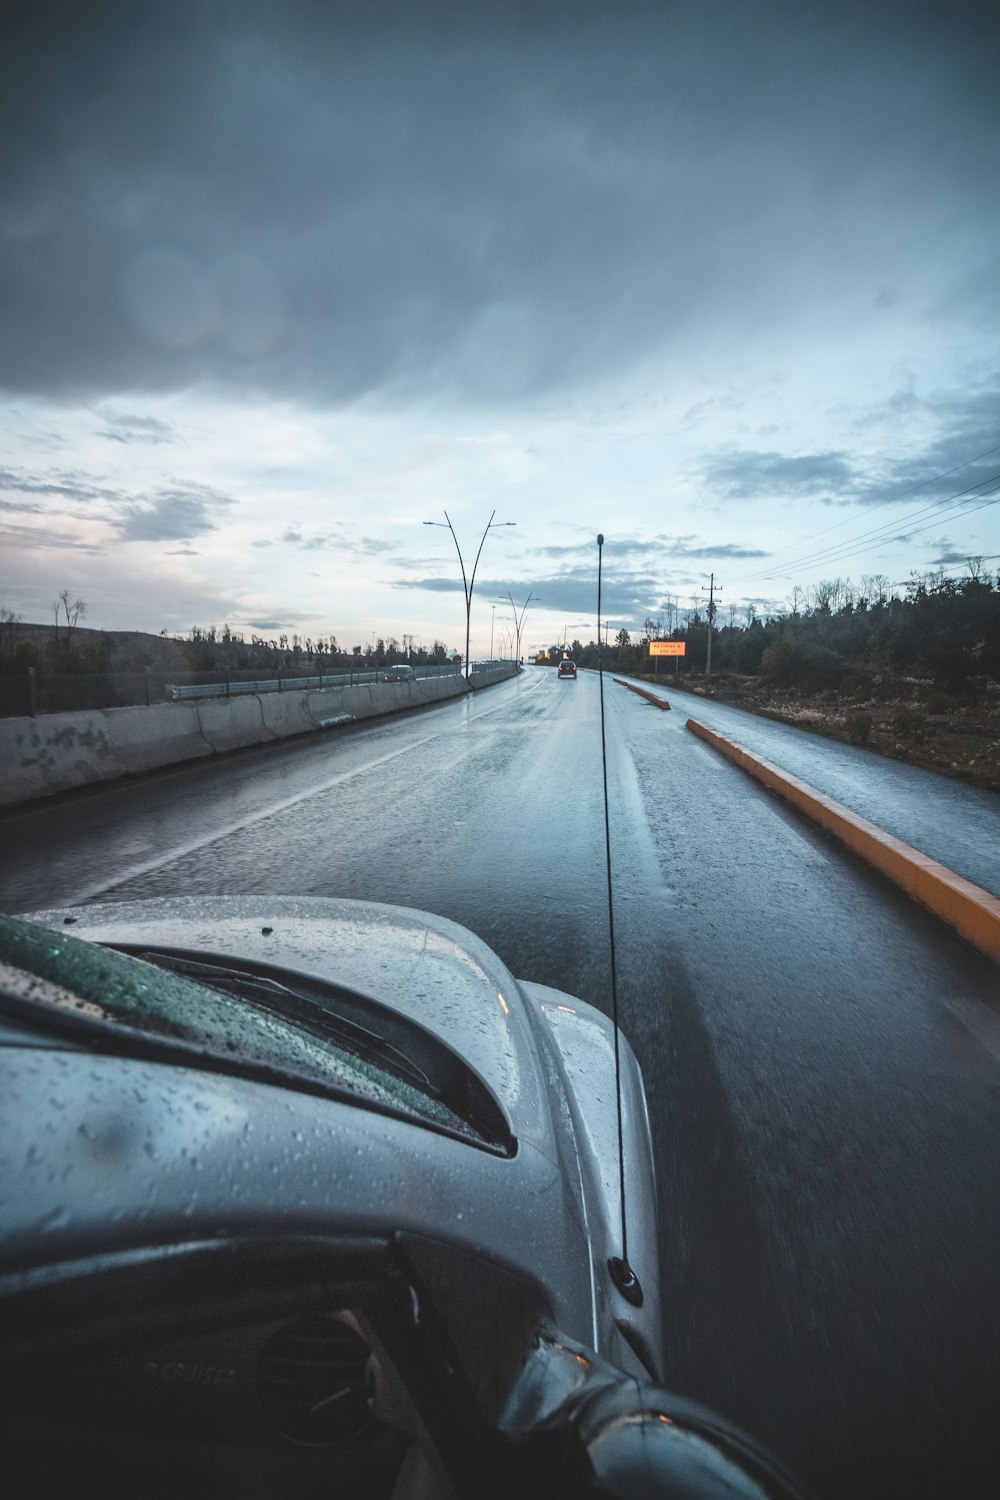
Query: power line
[[941, 509], [891, 500]]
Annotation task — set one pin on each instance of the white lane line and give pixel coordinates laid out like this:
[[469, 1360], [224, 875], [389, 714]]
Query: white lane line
[[978, 1021], [314, 790], [133, 872]]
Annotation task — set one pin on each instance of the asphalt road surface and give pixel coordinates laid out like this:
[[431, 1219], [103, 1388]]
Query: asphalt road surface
[[822, 1058]]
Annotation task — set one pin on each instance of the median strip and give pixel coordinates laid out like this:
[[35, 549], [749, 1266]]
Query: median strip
[[971, 911], [651, 697]]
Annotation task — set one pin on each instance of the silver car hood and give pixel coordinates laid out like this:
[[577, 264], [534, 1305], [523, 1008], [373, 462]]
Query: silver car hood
[[544, 1055], [424, 967]]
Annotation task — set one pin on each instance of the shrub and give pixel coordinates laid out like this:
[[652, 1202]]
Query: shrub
[[798, 663], [909, 724]]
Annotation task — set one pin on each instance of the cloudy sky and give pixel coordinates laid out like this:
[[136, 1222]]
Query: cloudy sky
[[279, 282]]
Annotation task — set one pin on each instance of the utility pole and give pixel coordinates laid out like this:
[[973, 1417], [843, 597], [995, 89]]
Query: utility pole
[[711, 620]]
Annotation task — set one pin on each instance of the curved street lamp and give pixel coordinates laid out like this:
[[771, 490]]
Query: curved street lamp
[[468, 584], [519, 620]]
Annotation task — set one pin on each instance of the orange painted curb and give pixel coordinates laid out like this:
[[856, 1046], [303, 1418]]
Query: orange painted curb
[[970, 910], [652, 697]]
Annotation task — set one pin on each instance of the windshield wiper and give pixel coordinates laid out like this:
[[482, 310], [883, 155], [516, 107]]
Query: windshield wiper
[[264, 990]]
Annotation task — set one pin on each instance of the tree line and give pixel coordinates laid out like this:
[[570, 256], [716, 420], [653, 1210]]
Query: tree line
[[68, 647], [940, 630]]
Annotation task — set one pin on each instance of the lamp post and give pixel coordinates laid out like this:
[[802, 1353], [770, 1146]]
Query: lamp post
[[493, 620], [519, 620], [468, 584]]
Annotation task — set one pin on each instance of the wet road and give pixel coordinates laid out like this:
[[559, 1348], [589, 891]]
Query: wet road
[[954, 823], [822, 1059]]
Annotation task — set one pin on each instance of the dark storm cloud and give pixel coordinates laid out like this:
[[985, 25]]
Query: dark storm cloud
[[271, 624], [172, 515], [321, 200]]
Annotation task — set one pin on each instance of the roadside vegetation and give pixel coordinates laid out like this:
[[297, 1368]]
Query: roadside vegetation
[[68, 647], [66, 666], [916, 676]]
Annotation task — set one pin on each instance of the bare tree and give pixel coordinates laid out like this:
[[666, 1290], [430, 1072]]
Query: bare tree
[[72, 611], [8, 635]]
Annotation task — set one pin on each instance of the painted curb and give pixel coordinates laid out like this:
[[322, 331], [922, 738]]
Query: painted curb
[[652, 697], [971, 911]]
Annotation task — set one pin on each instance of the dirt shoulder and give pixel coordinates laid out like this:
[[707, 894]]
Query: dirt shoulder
[[923, 726]]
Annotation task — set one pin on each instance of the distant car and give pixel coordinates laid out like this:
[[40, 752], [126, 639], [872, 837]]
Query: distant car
[[307, 1197], [567, 668], [400, 672]]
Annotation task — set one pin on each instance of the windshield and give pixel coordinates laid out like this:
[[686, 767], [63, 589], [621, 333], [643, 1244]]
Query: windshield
[[332, 335], [92, 985]]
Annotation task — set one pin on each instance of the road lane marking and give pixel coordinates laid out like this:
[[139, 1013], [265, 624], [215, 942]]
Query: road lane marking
[[192, 845], [978, 1021], [315, 789]]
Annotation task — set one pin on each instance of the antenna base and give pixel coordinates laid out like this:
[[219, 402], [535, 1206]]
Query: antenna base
[[625, 1280]]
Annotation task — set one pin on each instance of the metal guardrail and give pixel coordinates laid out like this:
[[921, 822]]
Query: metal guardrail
[[32, 693], [232, 687]]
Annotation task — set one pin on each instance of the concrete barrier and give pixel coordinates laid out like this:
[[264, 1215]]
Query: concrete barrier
[[59, 752], [971, 911], [232, 723], [286, 714]]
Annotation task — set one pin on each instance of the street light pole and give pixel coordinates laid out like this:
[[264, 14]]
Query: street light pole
[[519, 621], [468, 584], [493, 620]]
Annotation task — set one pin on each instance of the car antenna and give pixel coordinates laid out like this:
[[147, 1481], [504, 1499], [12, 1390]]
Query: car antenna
[[622, 1273]]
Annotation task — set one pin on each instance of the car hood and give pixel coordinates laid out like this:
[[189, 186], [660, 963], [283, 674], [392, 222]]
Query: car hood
[[422, 966]]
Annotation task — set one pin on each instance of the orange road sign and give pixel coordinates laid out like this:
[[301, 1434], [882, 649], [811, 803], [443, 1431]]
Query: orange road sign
[[667, 648]]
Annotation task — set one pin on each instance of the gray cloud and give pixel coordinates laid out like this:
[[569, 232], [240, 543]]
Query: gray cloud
[[23, 507], [570, 593], [643, 547], [314, 543], [724, 550], [65, 485], [493, 200], [134, 429], [50, 540], [962, 458], [175, 514], [745, 475]]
